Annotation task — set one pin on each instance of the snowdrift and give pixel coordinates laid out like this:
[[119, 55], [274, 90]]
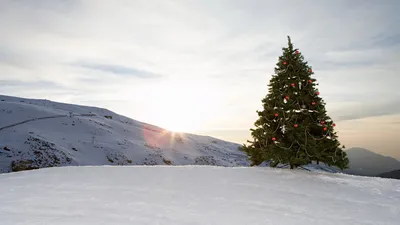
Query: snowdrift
[[201, 195]]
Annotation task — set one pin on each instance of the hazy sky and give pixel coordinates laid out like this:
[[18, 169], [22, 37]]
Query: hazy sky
[[203, 66]]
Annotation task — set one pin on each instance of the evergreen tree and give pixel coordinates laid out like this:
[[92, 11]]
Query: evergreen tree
[[293, 127]]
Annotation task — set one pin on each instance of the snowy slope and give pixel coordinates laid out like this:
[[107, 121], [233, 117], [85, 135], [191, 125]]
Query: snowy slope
[[195, 195], [41, 133]]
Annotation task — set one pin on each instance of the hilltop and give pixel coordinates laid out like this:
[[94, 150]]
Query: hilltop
[[41, 133]]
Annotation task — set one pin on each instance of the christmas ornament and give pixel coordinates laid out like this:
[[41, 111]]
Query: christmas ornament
[[296, 125], [322, 122], [310, 70], [313, 103], [314, 139], [284, 63], [293, 85], [297, 52], [276, 114], [287, 97], [317, 93], [334, 125], [325, 128], [310, 81], [274, 139]]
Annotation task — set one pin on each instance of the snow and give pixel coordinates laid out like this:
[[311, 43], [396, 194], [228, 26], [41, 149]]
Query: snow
[[42, 133], [194, 195]]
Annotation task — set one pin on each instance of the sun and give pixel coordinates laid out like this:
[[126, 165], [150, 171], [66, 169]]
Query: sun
[[180, 109], [177, 128], [177, 119]]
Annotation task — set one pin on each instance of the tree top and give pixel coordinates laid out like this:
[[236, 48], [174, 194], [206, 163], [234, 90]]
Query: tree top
[[290, 43]]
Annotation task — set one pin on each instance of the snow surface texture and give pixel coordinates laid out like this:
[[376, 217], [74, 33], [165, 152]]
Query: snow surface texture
[[195, 195], [41, 133]]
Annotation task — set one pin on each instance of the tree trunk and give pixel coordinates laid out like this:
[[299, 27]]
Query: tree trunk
[[317, 162], [291, 166]]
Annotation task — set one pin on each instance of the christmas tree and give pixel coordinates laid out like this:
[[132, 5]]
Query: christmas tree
[[293, 128]]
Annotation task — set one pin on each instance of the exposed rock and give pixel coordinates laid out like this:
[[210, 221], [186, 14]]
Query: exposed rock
[[205, 160], [167, 162], [21, 165]]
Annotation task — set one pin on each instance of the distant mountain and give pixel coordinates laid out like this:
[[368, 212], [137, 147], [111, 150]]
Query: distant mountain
[[367, 163], [395, 174]]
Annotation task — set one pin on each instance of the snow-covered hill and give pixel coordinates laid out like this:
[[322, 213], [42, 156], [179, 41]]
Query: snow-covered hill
[[42, 133], [195, 195]]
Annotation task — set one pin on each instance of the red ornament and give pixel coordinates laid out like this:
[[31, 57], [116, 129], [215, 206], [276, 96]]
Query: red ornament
[[317, 93], [310, 70], [296, 125], [325, 128], [322, 122], [284, 63], [293, 85], [310, 81], [274, 139], [334, 125], [276, 114], [287, 97], [313, 103], [314, 139], [297, 52]]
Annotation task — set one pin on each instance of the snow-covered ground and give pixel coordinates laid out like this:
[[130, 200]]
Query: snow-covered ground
[[195, 195], [42, 133]]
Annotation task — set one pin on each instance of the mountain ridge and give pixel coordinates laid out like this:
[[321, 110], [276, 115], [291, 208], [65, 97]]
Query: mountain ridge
[[395, 174], [42, 133], [368, 163]]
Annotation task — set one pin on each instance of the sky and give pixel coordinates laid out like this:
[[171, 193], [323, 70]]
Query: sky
[[203, 66]]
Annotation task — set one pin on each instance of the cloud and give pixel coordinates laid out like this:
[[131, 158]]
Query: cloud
[[387, 41], [118, 70], [28, 84], [361, 111]]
